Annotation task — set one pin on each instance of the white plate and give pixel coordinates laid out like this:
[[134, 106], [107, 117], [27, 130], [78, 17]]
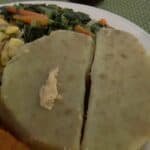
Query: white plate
[[95, 13], [113, 19]]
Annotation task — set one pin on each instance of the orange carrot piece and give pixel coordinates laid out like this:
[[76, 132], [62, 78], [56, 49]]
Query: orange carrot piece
[[23, 12], [103, 22], [40, 20], [11, 9], [81, 29]]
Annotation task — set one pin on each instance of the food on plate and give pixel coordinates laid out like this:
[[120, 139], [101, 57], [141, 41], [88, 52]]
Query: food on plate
[[28, 22], [9, 142], [12, 30], [37, 20], [3, 36], [64, 56], [83, 30], [103, 22], [119, 104], [8, 29], [9, 40], [10, 49], [2, 21]]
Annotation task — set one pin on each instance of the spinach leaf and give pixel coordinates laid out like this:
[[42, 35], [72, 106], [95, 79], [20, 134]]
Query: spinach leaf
[[96, 27], [84, 18], [32, 33]]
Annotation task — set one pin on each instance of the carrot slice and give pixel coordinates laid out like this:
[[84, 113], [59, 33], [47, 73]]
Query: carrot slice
[[11, 9], [14, 10], [27, 16], [81, 29], [103, 22], [22, 12], [40, 20]]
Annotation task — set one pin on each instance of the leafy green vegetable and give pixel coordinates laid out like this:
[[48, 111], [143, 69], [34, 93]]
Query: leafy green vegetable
[[76, 17], [84, 18], [49, 12], [53, 6], [32, 33], [6, 14], [96, 27]]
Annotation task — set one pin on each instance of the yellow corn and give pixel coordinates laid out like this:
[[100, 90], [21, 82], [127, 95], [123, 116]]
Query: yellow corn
[[3, 36], [12, 30], [3, 22], [10, 50]]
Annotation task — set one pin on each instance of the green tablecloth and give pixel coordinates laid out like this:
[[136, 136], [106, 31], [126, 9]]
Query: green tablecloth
[[138, 11]]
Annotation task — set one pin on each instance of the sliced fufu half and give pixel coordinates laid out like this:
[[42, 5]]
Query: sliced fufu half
[[57, 63], [119, 105]]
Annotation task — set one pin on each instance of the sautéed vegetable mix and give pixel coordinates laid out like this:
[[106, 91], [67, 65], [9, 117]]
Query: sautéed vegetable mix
[[34, 21]]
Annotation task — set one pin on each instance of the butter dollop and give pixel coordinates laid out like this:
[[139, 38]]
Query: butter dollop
[[49, 91]]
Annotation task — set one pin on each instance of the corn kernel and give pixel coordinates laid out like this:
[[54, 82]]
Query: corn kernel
[[3, 22], [12, 30], [3, 36], [10, 50]]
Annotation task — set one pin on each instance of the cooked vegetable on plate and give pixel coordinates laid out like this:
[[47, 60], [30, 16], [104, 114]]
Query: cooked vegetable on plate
[[28, 22], [47, 18]]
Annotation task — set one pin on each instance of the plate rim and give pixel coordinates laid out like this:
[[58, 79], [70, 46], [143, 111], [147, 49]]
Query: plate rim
[[142, 35]]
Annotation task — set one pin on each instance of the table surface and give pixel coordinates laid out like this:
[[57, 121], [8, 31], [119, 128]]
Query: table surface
[[137, 11]]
